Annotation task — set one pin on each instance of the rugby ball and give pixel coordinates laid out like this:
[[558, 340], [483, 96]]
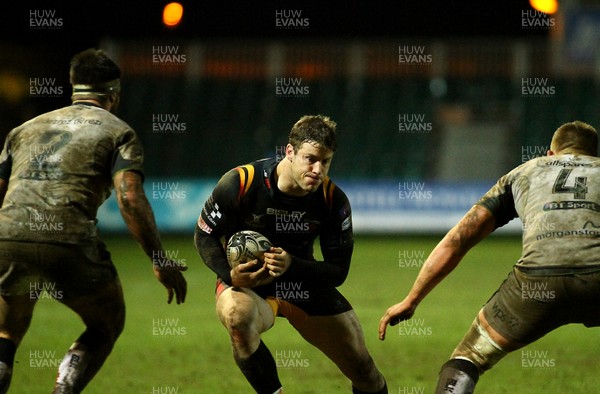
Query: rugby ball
[[246, 245]]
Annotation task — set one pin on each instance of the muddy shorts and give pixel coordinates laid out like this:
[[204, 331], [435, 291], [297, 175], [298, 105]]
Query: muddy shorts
[[526, 307], [57, 270]]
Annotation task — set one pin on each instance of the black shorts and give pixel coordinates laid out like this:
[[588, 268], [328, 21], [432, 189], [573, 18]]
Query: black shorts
[[527, 307], [325, 301], [59, 270]]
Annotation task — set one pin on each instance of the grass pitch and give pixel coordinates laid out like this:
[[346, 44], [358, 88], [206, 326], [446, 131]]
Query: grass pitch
[[184, 349]]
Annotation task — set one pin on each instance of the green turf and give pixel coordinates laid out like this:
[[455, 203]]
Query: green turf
[[195, 356]]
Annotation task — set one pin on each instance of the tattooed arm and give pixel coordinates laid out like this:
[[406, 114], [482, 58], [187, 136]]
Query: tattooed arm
[[137, 214], [478, 223]]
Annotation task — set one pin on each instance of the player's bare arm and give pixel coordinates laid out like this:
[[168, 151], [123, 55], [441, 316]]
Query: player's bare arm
[[470, 230], [139, 218]]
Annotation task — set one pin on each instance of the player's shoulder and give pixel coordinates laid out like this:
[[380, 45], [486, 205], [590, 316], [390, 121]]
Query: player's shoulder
[[560, 161], [244, 177], [247, 171], [44, 119], [333, 195]]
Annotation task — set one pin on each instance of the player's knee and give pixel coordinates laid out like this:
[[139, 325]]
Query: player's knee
[[100, 336], [366, 374], [115, 327], [5, 377], [238, 314], [479, 348], [104, 333]]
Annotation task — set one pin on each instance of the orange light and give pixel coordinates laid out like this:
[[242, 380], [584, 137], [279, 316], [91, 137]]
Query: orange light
[[545, 6], [172, 14]]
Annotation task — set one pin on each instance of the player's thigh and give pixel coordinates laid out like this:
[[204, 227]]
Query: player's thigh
[[240, 308], [340, 337], [102, 310], [86, 281], [20, 280], [520, 313], [15, 316]]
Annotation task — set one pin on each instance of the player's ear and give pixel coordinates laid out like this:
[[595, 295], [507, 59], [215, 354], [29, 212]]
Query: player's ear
[[113, 100], [289, 151], [550, 153]]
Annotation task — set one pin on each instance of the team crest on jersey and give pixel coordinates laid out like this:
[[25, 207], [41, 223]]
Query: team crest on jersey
[[255, 220]]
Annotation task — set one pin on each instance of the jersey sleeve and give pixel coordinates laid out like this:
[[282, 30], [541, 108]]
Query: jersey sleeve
[[213, 223], [500, 200], [337, 244], [129, 154], [6, 160]]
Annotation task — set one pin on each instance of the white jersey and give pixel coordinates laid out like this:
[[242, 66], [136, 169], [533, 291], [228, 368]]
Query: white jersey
[[558, 200], [59, 168]]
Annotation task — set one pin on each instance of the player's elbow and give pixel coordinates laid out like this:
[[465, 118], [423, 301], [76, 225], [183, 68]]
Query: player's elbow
[[339, 278], [129, 201]]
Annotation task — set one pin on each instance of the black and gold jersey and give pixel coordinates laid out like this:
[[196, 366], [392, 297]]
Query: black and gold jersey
[[247, 198]]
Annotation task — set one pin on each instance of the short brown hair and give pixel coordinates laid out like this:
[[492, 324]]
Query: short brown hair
[[314, 128], [575, 137]]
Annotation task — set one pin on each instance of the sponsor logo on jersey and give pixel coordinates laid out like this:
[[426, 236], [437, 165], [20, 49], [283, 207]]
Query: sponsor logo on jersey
[[203, 226], [346, 223]]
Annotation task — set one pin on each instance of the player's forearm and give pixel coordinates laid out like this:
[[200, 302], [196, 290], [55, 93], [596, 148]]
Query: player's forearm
[[211, 251], [141, 224], [331, 272], [470, 230], [442, 260], [138, 216]]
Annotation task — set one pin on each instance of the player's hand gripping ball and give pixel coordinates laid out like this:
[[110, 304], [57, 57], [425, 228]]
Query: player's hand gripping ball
[[246, 245]]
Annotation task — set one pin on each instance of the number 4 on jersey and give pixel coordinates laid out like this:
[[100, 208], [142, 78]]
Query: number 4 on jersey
[[579, 188]]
